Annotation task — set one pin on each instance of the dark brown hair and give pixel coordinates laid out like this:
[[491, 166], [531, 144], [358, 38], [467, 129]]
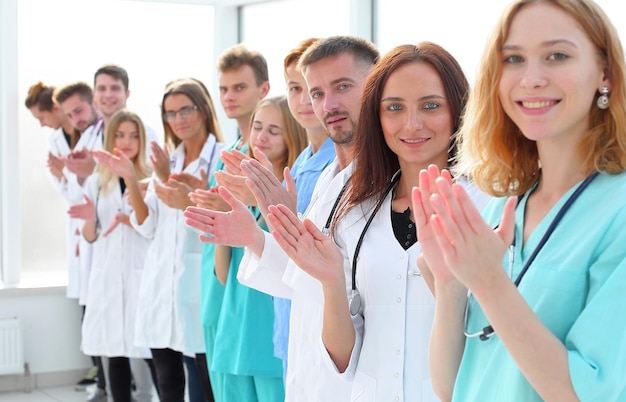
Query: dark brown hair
[[81, 88], [364, 51], [114, 71]]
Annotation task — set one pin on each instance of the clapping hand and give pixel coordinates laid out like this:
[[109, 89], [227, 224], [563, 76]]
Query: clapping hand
[[86, 211], [160, 159], [234, 228], [173, 193]]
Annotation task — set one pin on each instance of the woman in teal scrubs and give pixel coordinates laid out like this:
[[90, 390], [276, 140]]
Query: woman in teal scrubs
[[244, 352], [532, 310]]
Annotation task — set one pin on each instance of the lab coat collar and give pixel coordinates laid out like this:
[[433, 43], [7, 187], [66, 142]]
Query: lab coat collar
[[207, 157]]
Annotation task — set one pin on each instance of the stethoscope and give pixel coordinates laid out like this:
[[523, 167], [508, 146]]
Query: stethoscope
[[355, 297], [488, 330], [208, 172], [97, 133]]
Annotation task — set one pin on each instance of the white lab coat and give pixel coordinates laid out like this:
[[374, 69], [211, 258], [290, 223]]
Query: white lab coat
[[168, 309], [389, 360], [78, 251], [390, 357], [308, 378], [90, 139], [118, 260], [58, 146]]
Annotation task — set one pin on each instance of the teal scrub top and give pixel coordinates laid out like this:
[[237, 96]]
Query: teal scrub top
[[211, 290], [577, 287], [243, 343]]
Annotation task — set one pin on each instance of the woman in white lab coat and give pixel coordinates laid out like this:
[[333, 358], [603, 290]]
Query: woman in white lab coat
[[168, 313], [378, 338], [119, 251], [61, 142]]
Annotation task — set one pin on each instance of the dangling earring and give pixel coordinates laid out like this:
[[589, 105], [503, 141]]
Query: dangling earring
[[603, 100]]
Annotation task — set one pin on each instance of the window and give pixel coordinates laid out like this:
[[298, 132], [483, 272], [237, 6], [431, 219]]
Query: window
[[63, 41], [299, 19], [411, 22], [463, 32]]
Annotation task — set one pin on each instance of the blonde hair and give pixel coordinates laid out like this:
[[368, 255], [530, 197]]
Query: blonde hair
[[293, 134], [494, 151], [142, 169]]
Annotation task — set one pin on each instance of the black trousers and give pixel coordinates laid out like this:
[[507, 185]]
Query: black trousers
[[203, 374], [170, 373], [97, 361], [120, 379]]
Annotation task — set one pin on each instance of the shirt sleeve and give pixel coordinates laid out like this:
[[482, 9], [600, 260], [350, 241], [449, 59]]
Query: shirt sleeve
[[148, 227], [595, 342], [265, 273]]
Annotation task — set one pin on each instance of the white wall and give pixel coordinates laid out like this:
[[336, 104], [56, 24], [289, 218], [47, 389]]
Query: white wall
[[51, 329]]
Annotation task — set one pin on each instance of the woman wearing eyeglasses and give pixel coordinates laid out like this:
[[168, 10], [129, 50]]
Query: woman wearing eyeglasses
[[168, 307], [546, 126]]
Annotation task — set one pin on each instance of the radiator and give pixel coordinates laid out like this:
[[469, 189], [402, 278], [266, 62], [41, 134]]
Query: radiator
[[11, 346]]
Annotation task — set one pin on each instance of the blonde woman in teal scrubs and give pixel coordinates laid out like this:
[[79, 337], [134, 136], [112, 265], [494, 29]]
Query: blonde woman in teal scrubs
[[530, 311], [243, 351]]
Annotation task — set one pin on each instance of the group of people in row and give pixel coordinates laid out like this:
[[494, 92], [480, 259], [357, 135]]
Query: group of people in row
[[383, 232]]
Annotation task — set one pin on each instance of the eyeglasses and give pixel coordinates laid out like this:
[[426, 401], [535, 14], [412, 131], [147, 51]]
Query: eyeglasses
[[184, 113], [487, 331]]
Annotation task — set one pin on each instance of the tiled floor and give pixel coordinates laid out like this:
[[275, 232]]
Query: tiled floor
[[57, 394]]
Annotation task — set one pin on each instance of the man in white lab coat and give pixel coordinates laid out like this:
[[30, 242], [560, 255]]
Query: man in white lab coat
[[335, 70], [76, 102]]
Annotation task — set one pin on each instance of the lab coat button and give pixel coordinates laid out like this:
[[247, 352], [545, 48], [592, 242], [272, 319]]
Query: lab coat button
[[399, 300], [396, 375], [398, 276]]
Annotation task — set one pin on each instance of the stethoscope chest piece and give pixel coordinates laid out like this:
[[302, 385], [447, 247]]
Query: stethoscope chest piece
[[355, 303], [355, 300]]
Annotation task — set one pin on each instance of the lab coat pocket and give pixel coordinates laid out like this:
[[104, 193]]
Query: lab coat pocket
[[190, 278], [363, 388]]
